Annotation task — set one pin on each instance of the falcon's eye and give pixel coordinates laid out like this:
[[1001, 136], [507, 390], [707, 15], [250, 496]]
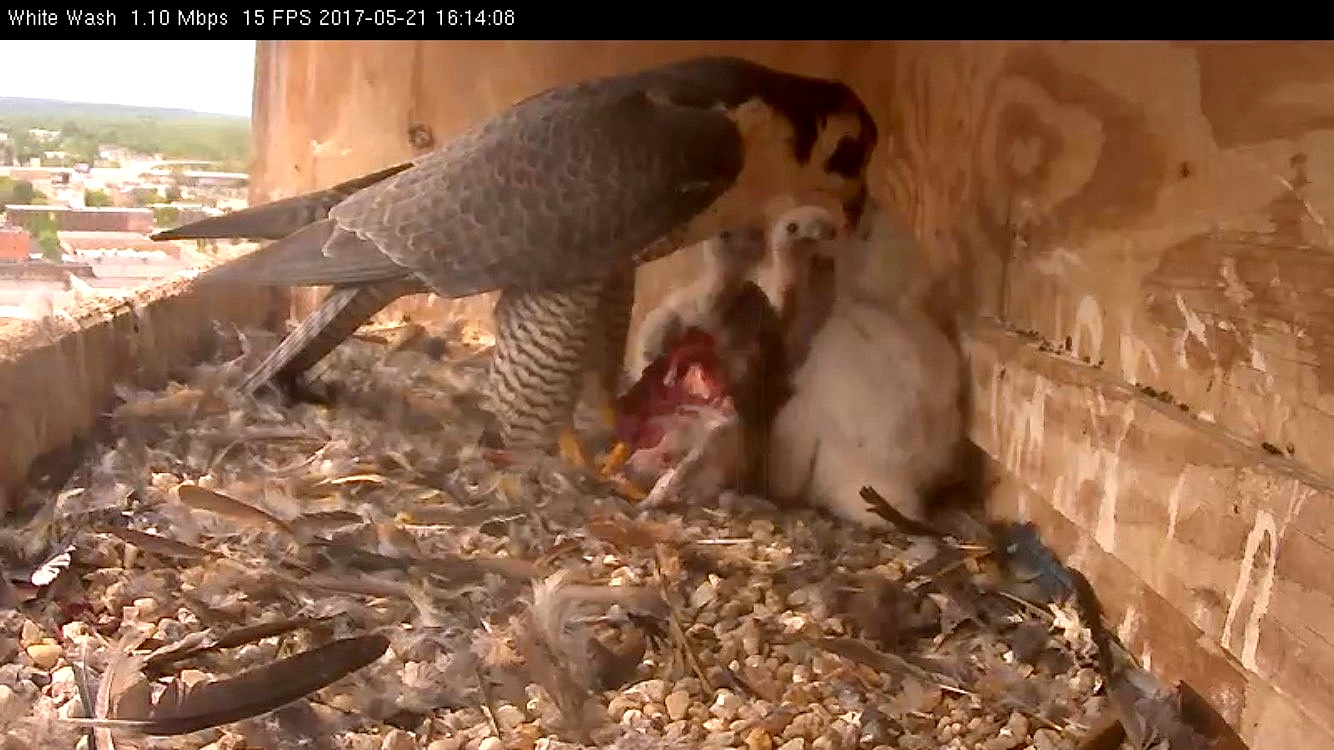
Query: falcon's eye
[[726, 236], [792, 227]]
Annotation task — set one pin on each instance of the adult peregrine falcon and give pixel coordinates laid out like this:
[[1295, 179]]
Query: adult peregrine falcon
[[555, 201]]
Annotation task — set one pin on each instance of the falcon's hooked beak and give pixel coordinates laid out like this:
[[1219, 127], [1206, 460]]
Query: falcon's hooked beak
[[855, 208]]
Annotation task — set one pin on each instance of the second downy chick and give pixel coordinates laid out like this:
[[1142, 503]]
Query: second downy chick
[[729, 260], [722, 331], [875, 389]]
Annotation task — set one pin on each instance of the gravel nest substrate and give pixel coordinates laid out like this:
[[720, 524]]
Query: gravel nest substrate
[[524, 604]]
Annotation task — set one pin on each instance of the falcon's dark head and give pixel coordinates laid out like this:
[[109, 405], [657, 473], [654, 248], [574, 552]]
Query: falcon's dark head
[[808, 140]]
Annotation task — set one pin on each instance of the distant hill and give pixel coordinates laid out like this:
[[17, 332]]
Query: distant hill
[[54, 108], [85, 126]]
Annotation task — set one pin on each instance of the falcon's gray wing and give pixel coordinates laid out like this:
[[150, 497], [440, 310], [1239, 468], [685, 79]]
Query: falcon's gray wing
[[277, 219], [561, 188]]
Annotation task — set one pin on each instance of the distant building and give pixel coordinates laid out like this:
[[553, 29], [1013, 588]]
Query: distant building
[[15, 243], [84, 219], [201, 178], [129, 246], [34, 174]]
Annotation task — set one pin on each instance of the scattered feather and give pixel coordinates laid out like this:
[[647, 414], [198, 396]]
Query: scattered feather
[[212, 501], [184, 709]]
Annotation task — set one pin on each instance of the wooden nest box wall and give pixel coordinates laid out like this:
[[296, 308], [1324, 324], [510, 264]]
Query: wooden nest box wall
[[1139, 233], [1138, 244]]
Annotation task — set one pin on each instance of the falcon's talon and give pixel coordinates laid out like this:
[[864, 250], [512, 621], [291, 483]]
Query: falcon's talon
[[620, 453], [571, 450]]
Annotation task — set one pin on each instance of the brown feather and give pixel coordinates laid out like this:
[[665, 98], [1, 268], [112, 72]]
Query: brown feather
[[183, 710], [201, 498]]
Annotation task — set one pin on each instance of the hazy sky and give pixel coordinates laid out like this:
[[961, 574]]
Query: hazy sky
[[207, 76]]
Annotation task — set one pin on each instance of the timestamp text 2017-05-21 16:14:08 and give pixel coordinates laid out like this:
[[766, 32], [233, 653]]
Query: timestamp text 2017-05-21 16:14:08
[[385, 17]]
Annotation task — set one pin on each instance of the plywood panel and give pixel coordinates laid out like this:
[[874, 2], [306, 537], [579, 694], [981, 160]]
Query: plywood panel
[[1212, 554], [1159, 208]]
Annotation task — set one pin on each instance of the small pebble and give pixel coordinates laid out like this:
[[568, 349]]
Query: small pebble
[[44, 655], [509, 717], [720, 739], [726, 705], [64, 683], [796, 743], [491, 743], [11, 705], [677, 705], [1018, 725], [446, 743], [354, 742], [916, 742], [758, 739], [619, 705], [632, 717], [398, 739], [30, 633], [74, 629], [651, 690], [1046, 739]]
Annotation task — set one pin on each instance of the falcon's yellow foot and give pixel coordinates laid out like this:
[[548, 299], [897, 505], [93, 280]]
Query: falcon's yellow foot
[[629, 490], [607, 414], [571, 450], [620, 453]]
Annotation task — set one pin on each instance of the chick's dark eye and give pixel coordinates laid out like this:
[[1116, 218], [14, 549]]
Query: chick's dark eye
[[792, 227], [726, 236]]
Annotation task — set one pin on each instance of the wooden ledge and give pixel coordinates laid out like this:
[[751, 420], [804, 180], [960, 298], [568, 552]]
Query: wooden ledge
[[57, 375], [1211, 555]]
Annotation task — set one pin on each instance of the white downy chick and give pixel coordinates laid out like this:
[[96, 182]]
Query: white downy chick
[[729, 259], [723, 330], [875, 397]]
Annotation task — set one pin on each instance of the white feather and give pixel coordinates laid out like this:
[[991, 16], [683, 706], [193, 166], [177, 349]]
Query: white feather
[[876, 400]]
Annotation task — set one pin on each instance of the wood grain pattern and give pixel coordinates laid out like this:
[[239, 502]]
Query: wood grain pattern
[[1157, 207], [1210, 553]]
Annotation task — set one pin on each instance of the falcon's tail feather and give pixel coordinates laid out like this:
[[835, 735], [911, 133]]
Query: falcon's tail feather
[[344, 311], [277, 219]]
